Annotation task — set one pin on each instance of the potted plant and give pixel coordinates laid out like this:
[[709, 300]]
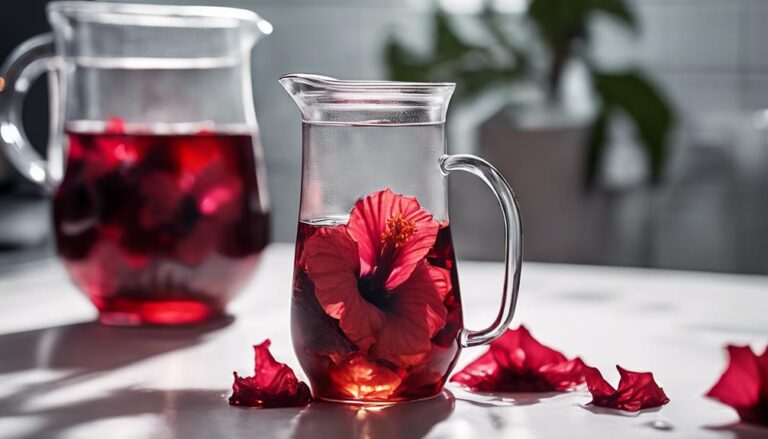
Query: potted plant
[[550, 144]]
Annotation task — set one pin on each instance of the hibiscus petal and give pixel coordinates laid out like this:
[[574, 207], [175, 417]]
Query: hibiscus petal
[[331, 261], [362, 323], [367, 222], [482, 375], [441, 278], [359, 378], [762, 364], [218, 192], [564, 375], [417, 314], [637, 391], [739, 386], [518, 350], [742, 384], [516, 362], [597, 385], [273, 384]]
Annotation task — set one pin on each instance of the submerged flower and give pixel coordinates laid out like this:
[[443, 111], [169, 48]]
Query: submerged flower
[[744, 384], [517, 362], [637, 391], [359, 378], [372, 275], [273, 384]]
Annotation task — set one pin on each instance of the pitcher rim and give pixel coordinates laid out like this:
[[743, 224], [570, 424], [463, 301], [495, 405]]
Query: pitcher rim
[[76, 7], [334, 84]]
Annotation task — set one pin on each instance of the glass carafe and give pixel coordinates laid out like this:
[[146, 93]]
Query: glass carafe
[[376, 310], [154, 162]]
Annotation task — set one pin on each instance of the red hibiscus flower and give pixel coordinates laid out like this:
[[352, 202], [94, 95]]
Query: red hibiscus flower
[[516, 362], [372, 275], [273, 384], [637, 391], [744, 384]]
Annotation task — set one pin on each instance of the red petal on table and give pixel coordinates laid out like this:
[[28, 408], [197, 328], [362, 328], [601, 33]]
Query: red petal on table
[[273, 384], [744, 384], [517, 362], [482, 375], [565, 375], [637, 391], [517, 349]]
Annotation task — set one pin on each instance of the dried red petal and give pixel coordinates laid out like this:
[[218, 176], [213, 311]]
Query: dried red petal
[[517, 362], [273, 384], [637, 391], [483, 375], [744, 384]]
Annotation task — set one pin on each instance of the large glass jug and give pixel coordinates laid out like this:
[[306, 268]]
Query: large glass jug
[[160, 206], [376, 310]]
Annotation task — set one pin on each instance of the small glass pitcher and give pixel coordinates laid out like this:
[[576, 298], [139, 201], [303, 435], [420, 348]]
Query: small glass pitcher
[[160, 208], [376, 311]]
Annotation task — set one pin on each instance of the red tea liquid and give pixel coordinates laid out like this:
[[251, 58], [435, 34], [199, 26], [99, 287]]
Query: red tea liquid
[[322, 347], [159, 228]]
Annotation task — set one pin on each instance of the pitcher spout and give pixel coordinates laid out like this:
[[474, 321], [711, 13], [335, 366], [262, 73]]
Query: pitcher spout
[[330, 100]]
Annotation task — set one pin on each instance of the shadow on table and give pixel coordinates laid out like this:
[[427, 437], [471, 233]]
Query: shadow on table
[[50, 360], [503, 399], [406, 420], [84, 348], [615, 412], [206, 413], [137, 412], [742, 430]]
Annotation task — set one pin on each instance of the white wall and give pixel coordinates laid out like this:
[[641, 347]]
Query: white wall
[[709, 55]]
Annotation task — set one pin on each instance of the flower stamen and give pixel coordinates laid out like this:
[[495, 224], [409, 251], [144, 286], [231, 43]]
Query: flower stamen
[[399, 231]]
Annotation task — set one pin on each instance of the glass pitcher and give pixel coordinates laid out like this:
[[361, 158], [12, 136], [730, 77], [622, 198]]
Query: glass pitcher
[[376, 310], [159, 202]]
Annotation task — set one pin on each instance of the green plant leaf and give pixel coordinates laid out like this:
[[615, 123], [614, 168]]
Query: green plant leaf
[[596, 140], [403, 65], [617, 9], [559, 22], [474, 68], [448, 44], [562, 22], [646, 108]]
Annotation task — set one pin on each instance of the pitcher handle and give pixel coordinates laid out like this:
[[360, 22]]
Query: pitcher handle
[[25, 64], [513, 233]]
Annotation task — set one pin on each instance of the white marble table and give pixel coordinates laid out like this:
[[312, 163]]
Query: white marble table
[[62, 375]]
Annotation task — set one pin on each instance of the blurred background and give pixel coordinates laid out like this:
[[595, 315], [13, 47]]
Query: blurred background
[[635, 132]]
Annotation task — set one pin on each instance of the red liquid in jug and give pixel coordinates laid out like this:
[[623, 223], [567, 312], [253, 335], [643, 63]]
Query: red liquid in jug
[[159, 228], [339, 370]]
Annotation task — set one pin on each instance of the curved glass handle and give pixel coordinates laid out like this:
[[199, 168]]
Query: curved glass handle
[[513, 248], [23, 66]]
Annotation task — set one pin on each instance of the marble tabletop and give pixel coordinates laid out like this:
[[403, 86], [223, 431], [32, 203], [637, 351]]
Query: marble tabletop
[[63, 375]]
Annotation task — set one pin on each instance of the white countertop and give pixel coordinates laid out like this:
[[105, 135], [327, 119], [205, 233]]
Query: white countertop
[[62, 375]]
